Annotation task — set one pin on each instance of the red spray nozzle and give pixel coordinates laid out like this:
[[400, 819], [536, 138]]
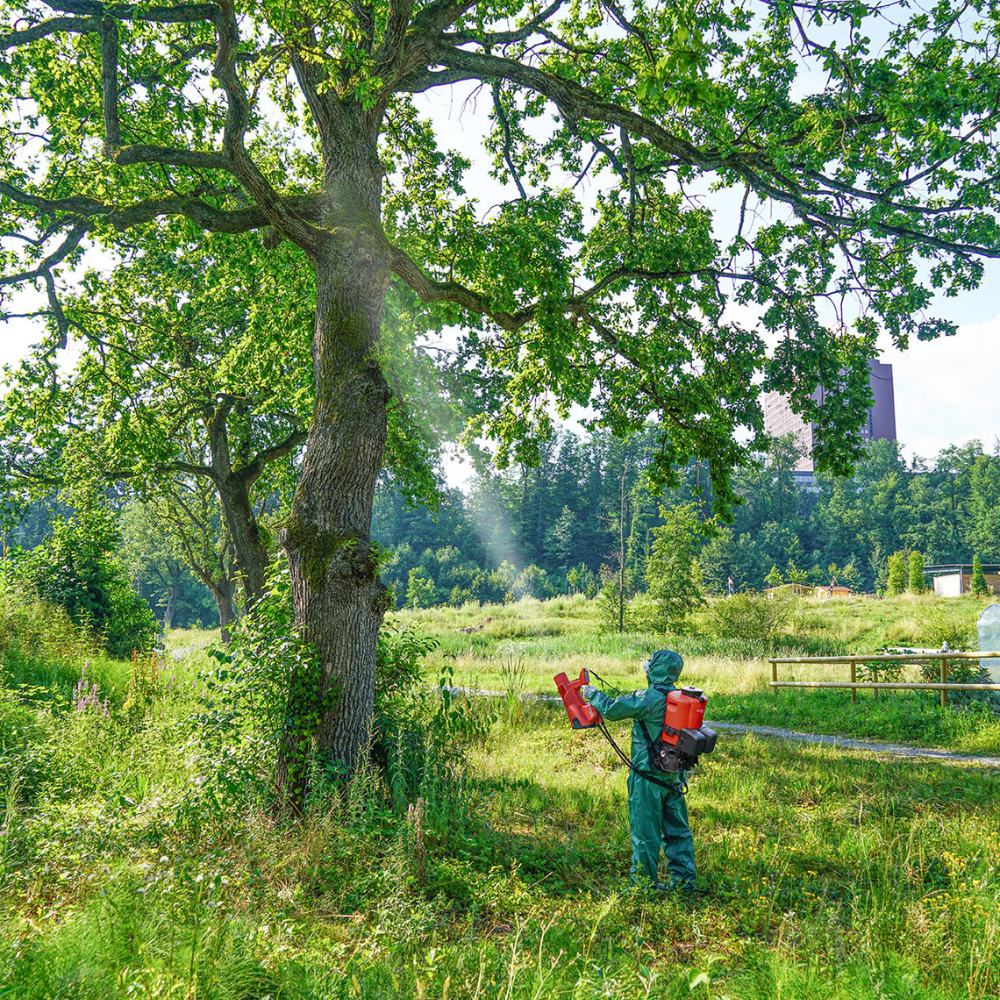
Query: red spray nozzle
[[581, 715]]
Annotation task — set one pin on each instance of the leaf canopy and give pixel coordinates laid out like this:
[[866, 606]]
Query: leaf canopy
[[699, 200]]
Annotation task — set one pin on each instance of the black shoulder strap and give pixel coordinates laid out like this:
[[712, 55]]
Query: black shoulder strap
[[649, 739]]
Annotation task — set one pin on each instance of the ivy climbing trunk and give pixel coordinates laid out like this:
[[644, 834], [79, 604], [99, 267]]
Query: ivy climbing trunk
[[338, 597]]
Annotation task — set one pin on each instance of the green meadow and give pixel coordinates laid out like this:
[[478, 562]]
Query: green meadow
[[486, 856]]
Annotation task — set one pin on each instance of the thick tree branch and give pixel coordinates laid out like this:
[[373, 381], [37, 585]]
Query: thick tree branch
[[62, 325], [508, 37], [79, 25], [423, 80], [79, 205], [403, 266], [186, 467], [35, 477], [578, 102], [312, 77], [441, 14], [179, 14], [297, 229], [364, 14], [252, 472], [109, 84], [390, 52], [168, 156], [204, 215], [68, 245], [429, 290]]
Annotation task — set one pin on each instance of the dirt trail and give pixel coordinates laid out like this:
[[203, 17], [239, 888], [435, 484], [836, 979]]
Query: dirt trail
[[844, 743]]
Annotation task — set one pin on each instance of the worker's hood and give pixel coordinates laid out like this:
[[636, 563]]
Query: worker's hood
[[664, 667]]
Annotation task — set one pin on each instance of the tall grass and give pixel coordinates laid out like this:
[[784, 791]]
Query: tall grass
[[733, 670], [825, 874]]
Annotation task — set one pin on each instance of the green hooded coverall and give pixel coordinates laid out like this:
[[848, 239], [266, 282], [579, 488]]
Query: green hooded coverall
[[656, 815]]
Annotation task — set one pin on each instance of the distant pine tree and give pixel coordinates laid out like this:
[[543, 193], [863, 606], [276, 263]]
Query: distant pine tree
[[916, 573], [979, 585]]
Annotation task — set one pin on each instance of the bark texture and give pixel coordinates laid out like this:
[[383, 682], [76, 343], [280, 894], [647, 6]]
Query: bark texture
[[338, 596]]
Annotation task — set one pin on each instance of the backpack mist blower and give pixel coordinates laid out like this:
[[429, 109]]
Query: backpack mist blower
[[682, 740], [683, 737]]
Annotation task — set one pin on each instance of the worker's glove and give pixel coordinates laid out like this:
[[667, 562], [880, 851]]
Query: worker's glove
[[587, 692]]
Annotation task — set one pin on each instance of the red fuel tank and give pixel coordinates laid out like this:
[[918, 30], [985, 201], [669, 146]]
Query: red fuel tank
[[685, 710]]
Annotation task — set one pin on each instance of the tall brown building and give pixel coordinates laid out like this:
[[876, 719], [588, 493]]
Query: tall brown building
[[780, 420]]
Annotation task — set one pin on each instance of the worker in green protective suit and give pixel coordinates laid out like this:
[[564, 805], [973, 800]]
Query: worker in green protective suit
[[657, 816]]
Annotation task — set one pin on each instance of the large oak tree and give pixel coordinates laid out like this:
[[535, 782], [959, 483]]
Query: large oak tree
[[865, 175]]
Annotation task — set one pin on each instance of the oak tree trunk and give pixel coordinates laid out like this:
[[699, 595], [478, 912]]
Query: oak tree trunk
[[250, 550], [224, 590], [237, 510], [338, 597]]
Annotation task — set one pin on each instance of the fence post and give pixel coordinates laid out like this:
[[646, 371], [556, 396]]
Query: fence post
[[774, 672], [944, 680], [854, 680], [874, 667]]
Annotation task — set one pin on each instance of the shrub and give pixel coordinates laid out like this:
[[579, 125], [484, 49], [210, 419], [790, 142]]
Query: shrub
[[36, 628], [420, 589], [73, 570], [963, 672], [749, 617], [613, 614], [979, 585], [459, 596], [268, 673], [397, 662], [937, 625]]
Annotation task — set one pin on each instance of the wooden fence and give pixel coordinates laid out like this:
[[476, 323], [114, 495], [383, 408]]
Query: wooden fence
[[854, 684]]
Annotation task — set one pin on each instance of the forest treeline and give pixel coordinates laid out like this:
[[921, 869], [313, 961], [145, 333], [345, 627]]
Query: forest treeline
[[587, 516], [587, 519]]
